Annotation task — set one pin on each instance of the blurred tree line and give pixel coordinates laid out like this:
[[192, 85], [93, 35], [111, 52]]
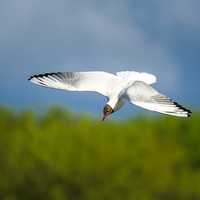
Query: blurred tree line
[[58, 156]]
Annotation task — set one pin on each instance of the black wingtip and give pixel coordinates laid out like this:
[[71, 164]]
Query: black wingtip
[[33, 76], [189, 112], [37, 76], [41, 75]]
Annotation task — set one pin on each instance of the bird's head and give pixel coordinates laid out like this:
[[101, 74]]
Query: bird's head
[[107, 110]]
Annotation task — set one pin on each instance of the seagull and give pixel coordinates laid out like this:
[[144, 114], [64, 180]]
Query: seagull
[[125, 86]]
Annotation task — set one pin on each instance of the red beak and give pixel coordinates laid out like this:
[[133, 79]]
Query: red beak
[[103, 118]]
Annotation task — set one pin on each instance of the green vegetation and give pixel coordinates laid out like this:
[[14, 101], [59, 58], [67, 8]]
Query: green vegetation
[[59, 156]]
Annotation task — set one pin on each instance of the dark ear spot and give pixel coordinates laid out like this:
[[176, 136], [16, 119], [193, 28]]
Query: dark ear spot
[[107, 109]]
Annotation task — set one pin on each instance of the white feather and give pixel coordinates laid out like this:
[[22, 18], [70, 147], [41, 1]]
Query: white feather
[[145, 96], [101, 82], [137, 76]]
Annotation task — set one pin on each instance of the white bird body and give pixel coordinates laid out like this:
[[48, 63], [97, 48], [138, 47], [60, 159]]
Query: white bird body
[[131, 86]]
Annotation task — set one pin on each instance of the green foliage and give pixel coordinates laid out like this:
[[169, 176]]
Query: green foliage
[[59, 156]]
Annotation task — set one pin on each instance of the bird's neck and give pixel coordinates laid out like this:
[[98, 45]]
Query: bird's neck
[[113, 102]]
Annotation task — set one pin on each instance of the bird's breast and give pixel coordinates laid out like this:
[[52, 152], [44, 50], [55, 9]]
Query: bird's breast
[[119, 104]]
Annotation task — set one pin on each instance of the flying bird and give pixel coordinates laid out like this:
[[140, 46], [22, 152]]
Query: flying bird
[[119, 88]]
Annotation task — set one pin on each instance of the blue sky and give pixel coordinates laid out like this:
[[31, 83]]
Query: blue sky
[[160, 37]]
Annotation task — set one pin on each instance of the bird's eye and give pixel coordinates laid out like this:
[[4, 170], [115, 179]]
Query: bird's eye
[[106, 109]]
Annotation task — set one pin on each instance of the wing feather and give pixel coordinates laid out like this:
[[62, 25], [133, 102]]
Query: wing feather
[[101, 82], [145, 96], [137, 76]]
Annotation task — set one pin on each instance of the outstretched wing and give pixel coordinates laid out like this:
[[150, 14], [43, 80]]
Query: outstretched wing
[[101, 82], [137, 76], [145, 96]]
